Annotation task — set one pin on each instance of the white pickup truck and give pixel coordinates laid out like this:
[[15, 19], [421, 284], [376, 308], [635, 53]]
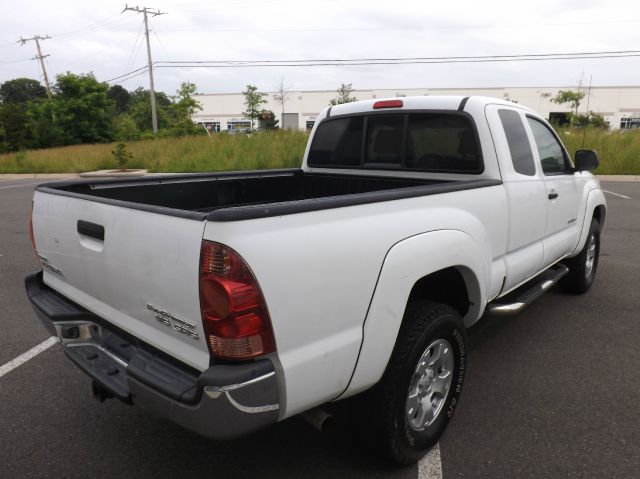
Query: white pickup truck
[[229, 301]]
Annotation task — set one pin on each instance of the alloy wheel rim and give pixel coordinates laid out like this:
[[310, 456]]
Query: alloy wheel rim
[[430, 384]]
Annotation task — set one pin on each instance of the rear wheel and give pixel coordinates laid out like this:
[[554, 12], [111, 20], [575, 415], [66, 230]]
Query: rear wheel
[[582, 268], [413, 403]]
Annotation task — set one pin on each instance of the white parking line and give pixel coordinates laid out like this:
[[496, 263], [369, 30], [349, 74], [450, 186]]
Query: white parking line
[[24, 357], [617, 194], [19, 186], [430, 466]]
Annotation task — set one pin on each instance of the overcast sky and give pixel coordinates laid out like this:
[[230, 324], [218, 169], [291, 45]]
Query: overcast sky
[[96, 37]]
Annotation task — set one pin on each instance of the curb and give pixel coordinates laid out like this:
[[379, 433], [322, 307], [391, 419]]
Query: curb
[[113, 174], [618, 177], [25, 176]]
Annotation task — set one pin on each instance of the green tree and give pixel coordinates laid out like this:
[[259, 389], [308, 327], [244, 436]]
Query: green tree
[[121, 97], [267, 120], [121, 155], [186, 105], [344, 95], [126, 128], [81, 109], [45, 132], [184, 108], [21, 90], [591, 119], [570, 98], [15, 128], [140, 109], [253, 100]]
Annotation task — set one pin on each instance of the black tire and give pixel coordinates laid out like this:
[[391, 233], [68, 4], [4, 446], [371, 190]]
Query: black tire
[[580, 277], [424, 323]]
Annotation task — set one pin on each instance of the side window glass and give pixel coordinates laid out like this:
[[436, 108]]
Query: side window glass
[[518, 142], [551, 153]]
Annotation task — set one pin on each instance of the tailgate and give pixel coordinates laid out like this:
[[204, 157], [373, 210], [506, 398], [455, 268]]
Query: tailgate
[[136, 269]]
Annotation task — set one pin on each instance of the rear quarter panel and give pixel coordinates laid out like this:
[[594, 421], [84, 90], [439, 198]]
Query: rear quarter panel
[[318, 272]]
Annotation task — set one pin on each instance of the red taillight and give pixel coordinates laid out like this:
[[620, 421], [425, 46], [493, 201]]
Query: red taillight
[[234, 315], [387, 104], [33, 240]]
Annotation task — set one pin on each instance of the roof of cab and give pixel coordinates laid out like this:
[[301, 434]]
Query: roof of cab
[[452, 102]]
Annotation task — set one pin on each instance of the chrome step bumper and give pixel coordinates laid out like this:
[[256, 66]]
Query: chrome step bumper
[[526, 294]]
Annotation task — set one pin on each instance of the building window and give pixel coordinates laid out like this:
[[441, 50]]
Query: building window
[[630, 122], [211, 126], [235, 125]]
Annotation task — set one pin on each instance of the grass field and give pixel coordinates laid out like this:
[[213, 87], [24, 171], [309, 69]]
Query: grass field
[[619, 153], [279, 149]]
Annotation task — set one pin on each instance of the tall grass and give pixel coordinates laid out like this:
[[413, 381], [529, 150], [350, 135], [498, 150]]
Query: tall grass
[[619, 153], [220, 152], [619, 150]]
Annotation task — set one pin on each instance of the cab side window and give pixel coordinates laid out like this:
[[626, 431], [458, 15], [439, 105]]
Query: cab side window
[[519, 146], [552, 156]]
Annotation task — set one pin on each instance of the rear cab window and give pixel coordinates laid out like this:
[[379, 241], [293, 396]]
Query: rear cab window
[[419, 141]]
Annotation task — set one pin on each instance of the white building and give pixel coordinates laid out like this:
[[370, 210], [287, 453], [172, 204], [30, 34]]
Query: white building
[[620, 106]]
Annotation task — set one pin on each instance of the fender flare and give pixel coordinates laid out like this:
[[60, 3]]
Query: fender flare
[[404, 265], [596, 198]]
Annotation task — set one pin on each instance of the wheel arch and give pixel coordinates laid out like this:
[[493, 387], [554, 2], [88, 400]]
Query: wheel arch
[[420, 267], [456, 286], [596, 207], [600, 213]]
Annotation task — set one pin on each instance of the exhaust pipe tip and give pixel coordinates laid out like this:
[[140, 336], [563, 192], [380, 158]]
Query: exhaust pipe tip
[[319, 419]]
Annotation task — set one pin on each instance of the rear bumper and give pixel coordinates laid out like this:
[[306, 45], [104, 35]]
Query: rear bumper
[[223, 402]]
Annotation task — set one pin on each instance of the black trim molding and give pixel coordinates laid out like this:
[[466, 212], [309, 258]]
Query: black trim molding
[[241, 213]]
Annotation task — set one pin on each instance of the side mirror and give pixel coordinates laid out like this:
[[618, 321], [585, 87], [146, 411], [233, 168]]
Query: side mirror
[[586, 160]]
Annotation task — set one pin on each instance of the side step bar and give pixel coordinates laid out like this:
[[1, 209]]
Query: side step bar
[[519, 299]]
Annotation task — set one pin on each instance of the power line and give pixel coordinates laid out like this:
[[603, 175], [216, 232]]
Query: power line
[[109, 22], [452, 59], [400, 29], [39, 57], [166, 54], [16, 61], [399, 61], [154, 13], [127, 74], [134, 50], [143, 72]]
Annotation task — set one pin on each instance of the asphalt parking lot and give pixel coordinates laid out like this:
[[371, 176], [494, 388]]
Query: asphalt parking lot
[[552, 392]]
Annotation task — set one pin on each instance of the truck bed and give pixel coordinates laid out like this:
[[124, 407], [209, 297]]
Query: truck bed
[[253, 194]]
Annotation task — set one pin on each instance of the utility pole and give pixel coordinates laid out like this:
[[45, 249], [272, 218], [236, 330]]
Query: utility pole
[[40, 57], [152, 93]]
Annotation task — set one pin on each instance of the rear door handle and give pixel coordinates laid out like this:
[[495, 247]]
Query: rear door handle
[[91, 230], [553, 195]]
